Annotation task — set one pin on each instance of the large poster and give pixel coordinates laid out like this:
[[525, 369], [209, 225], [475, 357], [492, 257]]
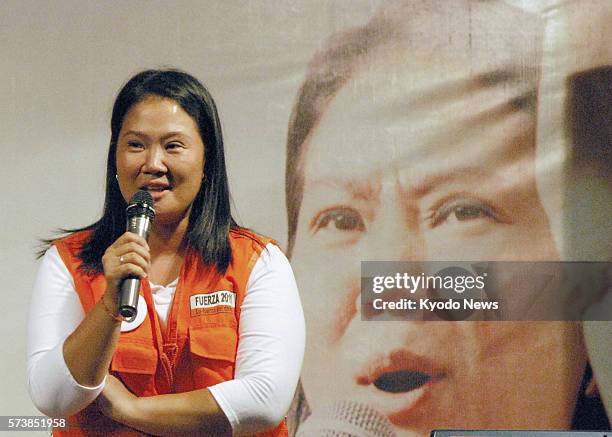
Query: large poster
[[430, 134]]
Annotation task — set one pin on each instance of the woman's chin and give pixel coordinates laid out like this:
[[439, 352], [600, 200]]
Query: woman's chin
[[164, 218]]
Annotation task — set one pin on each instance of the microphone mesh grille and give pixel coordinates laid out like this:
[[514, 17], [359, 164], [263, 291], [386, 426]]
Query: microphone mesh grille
[[347, 419], [142, 196], [141, 203]]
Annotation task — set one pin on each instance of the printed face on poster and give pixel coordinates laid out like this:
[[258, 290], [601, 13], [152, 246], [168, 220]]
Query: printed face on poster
[[415, 138]]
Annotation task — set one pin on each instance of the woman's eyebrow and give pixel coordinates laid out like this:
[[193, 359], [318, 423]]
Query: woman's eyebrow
[[162, 138], [174, 134], [135, 133]]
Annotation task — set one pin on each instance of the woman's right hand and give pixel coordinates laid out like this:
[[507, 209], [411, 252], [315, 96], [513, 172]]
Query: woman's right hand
[[88, 351], [127, 256]]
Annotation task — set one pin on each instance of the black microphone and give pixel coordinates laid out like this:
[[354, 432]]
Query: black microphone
[[140, 214]]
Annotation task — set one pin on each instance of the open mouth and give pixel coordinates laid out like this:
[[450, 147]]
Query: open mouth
[[400, 371], [401, 381], [157, 188]]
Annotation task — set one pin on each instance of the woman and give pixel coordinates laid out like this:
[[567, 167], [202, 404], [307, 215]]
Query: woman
[[218, 345], [413, 138]]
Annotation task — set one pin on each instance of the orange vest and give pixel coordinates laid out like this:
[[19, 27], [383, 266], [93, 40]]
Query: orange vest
[[201, 338]]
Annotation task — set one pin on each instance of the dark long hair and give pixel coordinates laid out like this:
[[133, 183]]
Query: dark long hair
[[210, 219]]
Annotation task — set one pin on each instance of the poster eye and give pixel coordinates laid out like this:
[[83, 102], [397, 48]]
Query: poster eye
[[339, 219], [469, 212], [463, 210]]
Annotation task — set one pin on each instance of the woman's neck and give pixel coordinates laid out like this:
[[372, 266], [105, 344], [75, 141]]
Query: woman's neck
[[167, 238], [167, 251]]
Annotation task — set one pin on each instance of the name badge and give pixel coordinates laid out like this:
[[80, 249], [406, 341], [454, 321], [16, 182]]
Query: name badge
[[211, 303]]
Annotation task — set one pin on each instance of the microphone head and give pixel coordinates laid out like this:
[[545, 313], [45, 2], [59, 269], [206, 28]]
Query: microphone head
[[141, 203], [347, 419]]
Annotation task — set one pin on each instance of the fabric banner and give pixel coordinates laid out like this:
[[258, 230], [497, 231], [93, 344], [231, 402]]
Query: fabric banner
[[438, 131]]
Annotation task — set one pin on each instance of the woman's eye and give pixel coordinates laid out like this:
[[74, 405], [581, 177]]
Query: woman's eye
[[173, 146], [463, 210], [135, 145], [340, 219]]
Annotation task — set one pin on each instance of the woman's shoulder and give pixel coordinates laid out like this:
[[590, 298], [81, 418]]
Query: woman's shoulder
[[70, 246], [74, 239], [240, 235], [67, 249]]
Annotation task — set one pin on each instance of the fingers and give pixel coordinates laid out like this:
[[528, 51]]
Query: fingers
[[127, 256], [132, 265], [131, 241], [133, 253], [131, 248]]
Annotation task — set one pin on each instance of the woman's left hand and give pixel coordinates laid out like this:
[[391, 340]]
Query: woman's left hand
[[116, 401]]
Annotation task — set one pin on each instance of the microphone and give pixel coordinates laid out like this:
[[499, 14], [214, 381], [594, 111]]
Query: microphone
[[347, 419], [140, 214]]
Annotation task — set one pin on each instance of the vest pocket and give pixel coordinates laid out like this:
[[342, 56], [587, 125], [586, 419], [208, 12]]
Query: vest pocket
[[134, 358], [214, 342], [213, 354]]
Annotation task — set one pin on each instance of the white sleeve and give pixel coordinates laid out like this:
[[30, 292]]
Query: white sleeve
[[55, 312], [270, 348]]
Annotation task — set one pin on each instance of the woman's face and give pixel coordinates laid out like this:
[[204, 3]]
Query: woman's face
[[160, 150], [427, 163]]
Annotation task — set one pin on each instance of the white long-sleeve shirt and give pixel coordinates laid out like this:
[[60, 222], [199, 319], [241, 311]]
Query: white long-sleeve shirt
[[268, 361]]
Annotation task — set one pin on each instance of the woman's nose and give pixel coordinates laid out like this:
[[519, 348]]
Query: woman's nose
[[155, 161]]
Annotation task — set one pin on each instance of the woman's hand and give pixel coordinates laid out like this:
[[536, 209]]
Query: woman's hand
[[88, 351], [127, 256], [116, 401]]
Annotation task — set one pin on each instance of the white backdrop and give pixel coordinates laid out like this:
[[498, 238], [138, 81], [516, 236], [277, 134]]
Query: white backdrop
[[62, 63]]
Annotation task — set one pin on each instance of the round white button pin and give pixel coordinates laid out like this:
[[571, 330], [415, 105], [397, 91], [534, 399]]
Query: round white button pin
[[141, 315]]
